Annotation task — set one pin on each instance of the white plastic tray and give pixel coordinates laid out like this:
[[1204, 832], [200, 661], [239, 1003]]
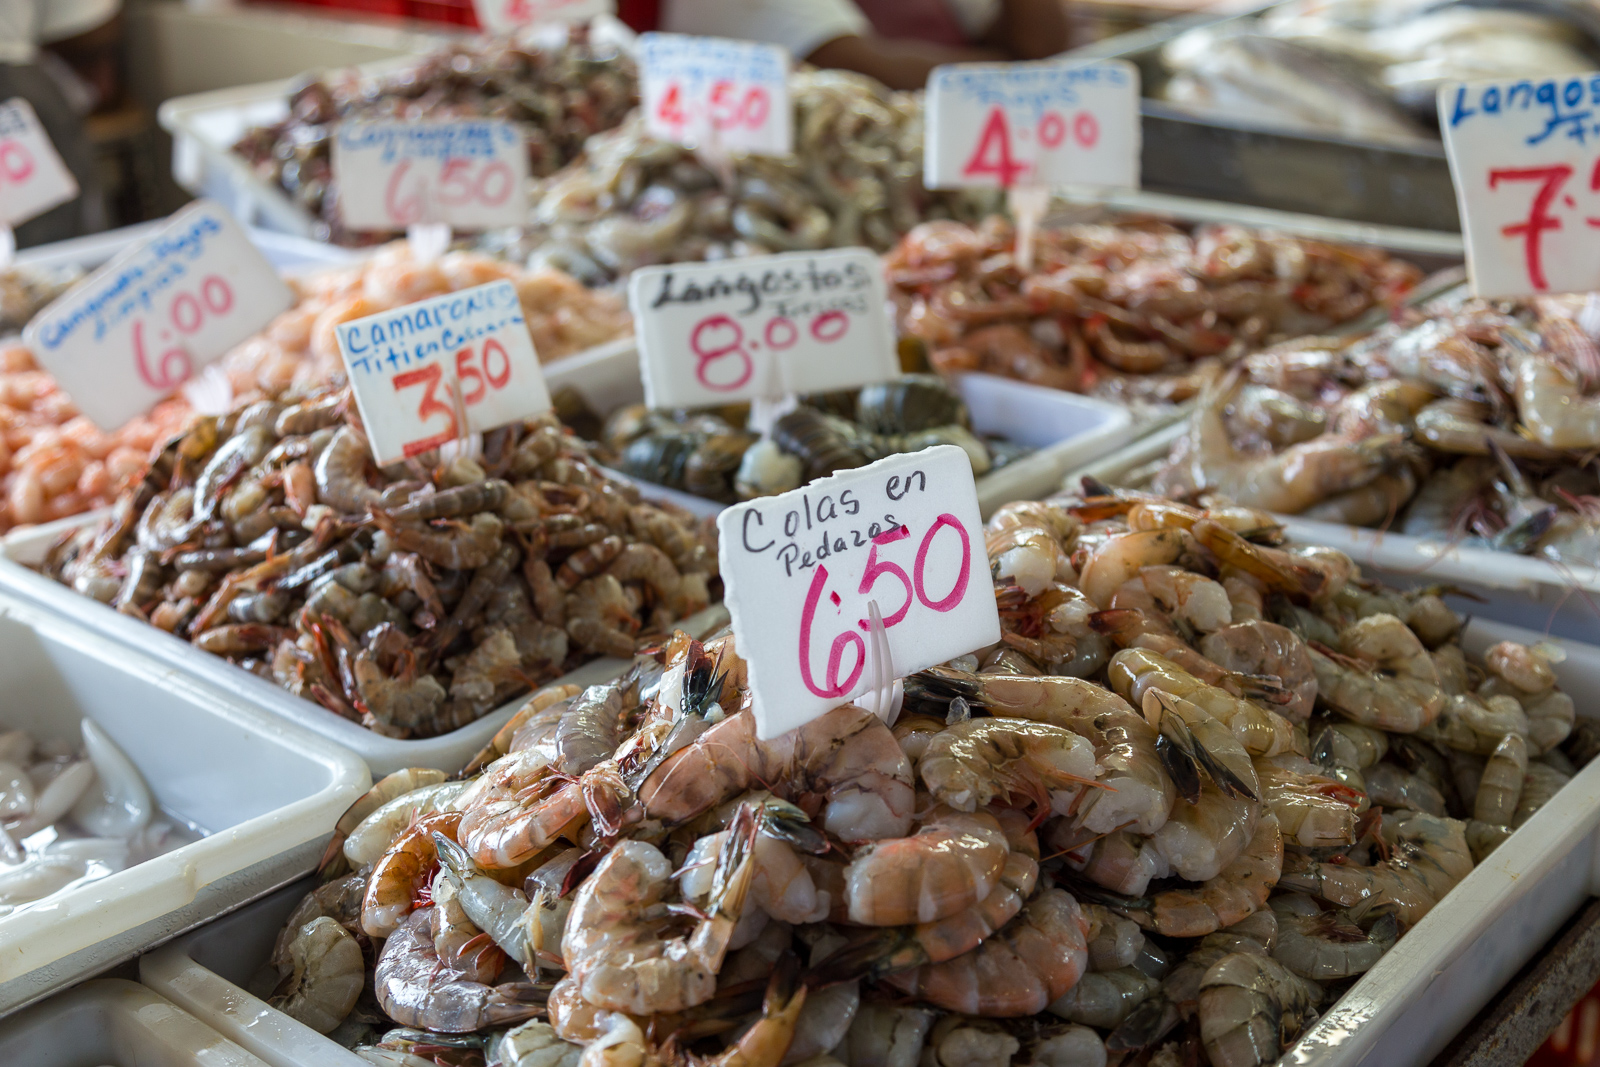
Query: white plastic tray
[[383, 754], [265, 791], [1529, 592], [284, 251], [1401, 1013], [118, 1024]]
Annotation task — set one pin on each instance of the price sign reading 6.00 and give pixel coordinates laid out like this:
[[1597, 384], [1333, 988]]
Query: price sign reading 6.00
[[1019, 124], [803, 570], [743, 329], [146, 322], [431, 372], [1525, 158]]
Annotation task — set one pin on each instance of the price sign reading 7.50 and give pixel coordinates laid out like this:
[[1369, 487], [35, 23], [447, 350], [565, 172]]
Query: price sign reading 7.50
[[431, 372], [803, 569], [1003, 125], [1525, 158], [743, 329]]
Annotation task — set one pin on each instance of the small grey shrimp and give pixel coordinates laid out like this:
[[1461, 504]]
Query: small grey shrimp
[[467, 499], [648, 564], [1327, 945], [1251, 1008], [341, 473], [455, 545]]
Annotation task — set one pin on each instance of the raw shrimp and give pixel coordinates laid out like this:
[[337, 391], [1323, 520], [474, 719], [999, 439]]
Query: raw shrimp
[[1135, 671], [950, 864], [414, 988], [1263, 648], [974, 762], [1183, 595], [1327, 945], [522, 929], [1238, 890], [781, 885], [1400, 691], [372, 836], [1251, 1009], [1428, 856], [1551, 403], [1121, 557], [1313, 809], [1105, 998], [402, 873], [616, 950], [514, 818], [1021, 970], [1469, 723], [324, 977]]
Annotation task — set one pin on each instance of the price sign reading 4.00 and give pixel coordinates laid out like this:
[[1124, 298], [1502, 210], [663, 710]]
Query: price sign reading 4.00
[[802, 568], [471, 175], [32, 177], [1525, 158], [431, 372], [143, 324], [742, 329], [715, 94], [1019, 124], [506, 16]]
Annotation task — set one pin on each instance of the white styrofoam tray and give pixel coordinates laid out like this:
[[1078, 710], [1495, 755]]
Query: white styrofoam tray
[[1401, 1013], [284, 251], [384, 755], [119, 1024], [1523, 590], [265, 791]]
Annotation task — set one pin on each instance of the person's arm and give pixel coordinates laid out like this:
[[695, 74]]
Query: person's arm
[[898, 64], [1030, 29]]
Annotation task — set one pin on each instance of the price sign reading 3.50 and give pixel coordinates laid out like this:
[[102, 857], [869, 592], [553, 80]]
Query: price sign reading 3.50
[[1525, 158], [471, 175], [802, 569], [146, 322], [1019, 124], [742, 329], [431, 372], [32, 177], [715, 94]]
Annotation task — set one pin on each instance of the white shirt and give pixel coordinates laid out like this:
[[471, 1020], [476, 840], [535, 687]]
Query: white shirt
[[801, 26], [25, 23]]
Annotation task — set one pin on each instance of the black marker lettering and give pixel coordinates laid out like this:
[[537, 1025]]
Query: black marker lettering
[[745, 531]]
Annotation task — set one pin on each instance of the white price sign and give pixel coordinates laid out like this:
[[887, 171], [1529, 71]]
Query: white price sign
[[435, 371], [506, 16], [800, 570], [32, 177], [1525, 158], [743, 329], [471, 174], [142, 325], [1000, 125], [712, 93]]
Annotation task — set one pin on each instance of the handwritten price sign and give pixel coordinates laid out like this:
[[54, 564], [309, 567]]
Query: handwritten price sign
[[801, 568], [1050, 123], [707, 92], [32, 177], [142, 325], [1525, 157], [741, 329], [505, 16], [471, 175], [434, 371]]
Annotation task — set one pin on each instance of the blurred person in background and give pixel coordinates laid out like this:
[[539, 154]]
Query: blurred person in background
[[896, 41], [60, 98]]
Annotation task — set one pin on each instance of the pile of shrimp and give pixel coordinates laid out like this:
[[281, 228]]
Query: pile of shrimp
[[25, 290], [556, 96], [412, 599], [1469, 420], [854, 178], [1201, 784], [54, 462], [1137, 311]]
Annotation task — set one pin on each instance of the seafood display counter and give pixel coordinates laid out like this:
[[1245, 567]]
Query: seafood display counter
[[177, 761]]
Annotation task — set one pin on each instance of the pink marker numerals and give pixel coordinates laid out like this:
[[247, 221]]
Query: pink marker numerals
[[478, 369], [724, 358], [462, 183], [186, 314], [914, 589], [1546, 190], [728, 106], [993, 152], [16, 163]]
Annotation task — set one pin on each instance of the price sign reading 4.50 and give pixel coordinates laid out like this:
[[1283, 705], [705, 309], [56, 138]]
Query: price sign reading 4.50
[[431, 372], [507, 16], [146, 322], [32, 177], [1018, 124], [1525, 158], [715, 94], [801, 570], [471, 174], [742, 329]]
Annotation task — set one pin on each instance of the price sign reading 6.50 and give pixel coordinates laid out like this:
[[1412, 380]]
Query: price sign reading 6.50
[[431, 372], [1002, 125], [32, 177], [742, 329], [803, 569], [1525, 158], [471, 174], [143, 324], [715, 94]]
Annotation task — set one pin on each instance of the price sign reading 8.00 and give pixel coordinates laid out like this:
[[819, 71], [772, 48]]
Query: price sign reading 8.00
[[742, 329], [431, 372], [1525, 158], [1017, 124], [146, 322], [802, 569], [471, 175], [715, 94]]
